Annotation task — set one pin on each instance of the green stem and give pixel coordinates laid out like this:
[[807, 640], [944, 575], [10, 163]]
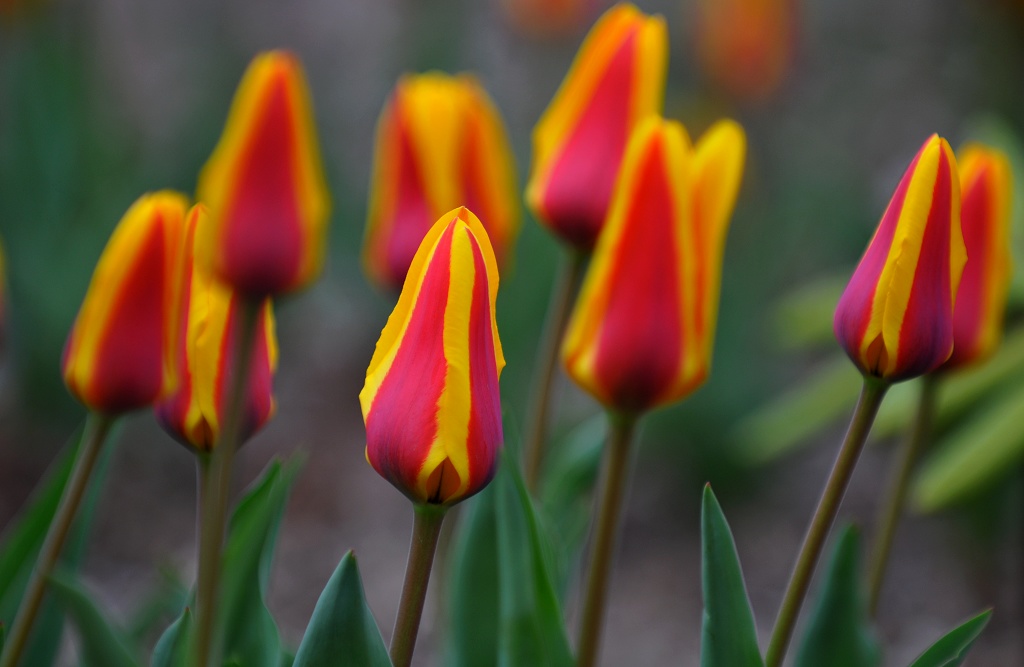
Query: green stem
[[892, 508], [216, 487], [425, 530], [96, 429], [824, 516], [620, 438], [559, 306]]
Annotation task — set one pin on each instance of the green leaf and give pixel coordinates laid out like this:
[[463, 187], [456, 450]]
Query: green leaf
[[101, 645], [342, 631], [729, 635], [803, 318], [474, 599], [839, 633], [983, 450], [3, 636], [951, 650], [789, 421], [172, 649], [250, 633], [532, 630], [570, 475]]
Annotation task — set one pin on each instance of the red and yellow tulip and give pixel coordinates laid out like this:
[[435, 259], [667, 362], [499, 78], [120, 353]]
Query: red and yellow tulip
[[985, 186], [440, 143], [264, 185], [895, 319], [195, 412], [118, 354], [431, 402], [642, 332], [617, 79]]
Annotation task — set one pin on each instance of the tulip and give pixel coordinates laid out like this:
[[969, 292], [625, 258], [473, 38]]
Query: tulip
[[617, 79], [895, 319], [264, 185], [430, 402], [640, 335], [440, 143], [985, 183], [117, 357], [745, 47], [194, 413]]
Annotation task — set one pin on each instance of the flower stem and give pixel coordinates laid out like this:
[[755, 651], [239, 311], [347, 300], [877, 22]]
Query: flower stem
[[216, 483], [425, 530], [620, 438], [889, 514], [559, 307], [824, 516], [96, 429]]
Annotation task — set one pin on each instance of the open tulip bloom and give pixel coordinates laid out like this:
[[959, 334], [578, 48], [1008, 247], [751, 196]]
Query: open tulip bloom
[[431, 402]]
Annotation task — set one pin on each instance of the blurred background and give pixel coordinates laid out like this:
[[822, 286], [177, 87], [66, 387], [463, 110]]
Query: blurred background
[[105, 99]]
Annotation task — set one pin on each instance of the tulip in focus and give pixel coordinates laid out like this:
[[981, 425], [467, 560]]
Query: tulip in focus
[[895, 319], [642, 330], [617, 79], [264, 185], [440, 143], [985, 188], [195, 412], [117, 357], [745, 47], [431, 402]]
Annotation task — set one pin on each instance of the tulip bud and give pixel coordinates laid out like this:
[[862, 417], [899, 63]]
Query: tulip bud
[[264, 185], [986, 185], [193, 414], [895, 319], [118, 354], [440, 143], [639, 336], [431, 402], [617, 79]]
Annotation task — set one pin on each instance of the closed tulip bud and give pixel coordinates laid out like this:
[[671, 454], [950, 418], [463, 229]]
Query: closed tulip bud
[[640, 334], [264, 185], [895, 319], [194, 413], [431, 402], [617, 79], [440, 143], [985, 185], [118, 354]]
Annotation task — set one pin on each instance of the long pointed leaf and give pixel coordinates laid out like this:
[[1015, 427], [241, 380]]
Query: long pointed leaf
[[172, 649], [840, 633], [729, 635], [101, 645], [951, 650], [342, 631]]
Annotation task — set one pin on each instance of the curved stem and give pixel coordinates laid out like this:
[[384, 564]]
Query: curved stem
[[425, 530], [620, 438], [216, 489], [562, 297], [824, 516], [96, 429], [892, 509]]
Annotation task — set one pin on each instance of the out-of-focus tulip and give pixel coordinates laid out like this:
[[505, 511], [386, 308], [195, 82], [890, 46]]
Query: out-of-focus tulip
[[193, 414], [431, 402], [985, 185], [118, 354], [745, 46], [895, 319], [264, 185], [641, 333], [548, 17], [617, 79], [440, 143]]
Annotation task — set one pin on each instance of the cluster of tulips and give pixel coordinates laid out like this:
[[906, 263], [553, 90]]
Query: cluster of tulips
[[178, 316]]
